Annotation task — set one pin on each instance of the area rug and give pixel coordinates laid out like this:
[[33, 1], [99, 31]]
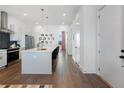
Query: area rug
[[25, 86]]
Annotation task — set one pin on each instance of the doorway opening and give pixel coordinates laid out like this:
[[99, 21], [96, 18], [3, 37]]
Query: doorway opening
[[61, 40]]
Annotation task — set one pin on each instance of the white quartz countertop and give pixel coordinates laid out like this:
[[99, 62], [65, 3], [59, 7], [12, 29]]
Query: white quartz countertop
[[38, 50]]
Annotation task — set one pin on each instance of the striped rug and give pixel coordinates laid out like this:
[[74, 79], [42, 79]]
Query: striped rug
[[25, 86]]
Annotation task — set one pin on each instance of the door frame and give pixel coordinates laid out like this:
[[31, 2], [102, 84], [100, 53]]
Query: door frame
[[98, 40]]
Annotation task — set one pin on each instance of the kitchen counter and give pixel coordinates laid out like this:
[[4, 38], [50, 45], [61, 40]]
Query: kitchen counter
[[38, 50], [37, 61], [1, 50], [13, 48]]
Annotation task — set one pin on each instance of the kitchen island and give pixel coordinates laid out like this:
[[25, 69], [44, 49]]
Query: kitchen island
[[37, 61]]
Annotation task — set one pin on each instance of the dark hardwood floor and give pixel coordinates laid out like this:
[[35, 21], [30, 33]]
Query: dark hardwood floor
[[66, 74]]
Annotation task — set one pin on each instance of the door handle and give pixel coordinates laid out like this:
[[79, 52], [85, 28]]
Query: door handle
[[122, 50], [122, 57]]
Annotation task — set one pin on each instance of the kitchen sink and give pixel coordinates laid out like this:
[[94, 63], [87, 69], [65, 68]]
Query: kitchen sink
[[42, 49]]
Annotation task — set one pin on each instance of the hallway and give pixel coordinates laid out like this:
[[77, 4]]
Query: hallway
[[66, 75]]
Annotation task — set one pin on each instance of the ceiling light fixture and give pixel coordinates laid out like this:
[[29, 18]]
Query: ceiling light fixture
[[44, 16], [25, 14], [64, 14], [78, 23]]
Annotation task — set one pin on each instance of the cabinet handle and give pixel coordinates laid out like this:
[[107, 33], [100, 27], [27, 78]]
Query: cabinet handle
[[122, 57], [122, 50]]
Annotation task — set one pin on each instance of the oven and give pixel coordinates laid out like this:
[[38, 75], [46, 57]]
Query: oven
[[12, 55]]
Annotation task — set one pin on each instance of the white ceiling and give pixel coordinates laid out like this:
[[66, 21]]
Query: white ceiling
[[55, 13]]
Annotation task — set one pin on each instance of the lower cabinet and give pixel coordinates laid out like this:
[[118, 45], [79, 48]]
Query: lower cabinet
[[3, 58]]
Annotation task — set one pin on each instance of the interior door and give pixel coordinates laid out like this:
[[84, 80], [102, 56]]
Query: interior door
[[76, 47], [110, 26]]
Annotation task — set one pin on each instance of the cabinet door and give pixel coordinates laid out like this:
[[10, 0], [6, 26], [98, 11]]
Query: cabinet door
[[3, 59]]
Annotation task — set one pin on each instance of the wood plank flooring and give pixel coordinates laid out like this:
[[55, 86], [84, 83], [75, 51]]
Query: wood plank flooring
[[24, 86], [66, 74]]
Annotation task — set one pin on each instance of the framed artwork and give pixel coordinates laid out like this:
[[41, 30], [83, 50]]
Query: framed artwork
[[42, 34], [44, 38], [40, 38], [46, 42], [42, 41], [53, 38], [50, 42], [48, 38], [51, 35], [46, 34]]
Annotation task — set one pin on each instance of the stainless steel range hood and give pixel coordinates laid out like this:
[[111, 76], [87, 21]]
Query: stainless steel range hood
[[4, 22]]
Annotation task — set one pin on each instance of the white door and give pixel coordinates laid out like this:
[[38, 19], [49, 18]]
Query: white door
[[110, 27], [76, 47]]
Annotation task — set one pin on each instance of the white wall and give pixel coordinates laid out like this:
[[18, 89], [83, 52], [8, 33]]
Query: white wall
[[87, 29], [20, 30], [89, 33], [88, 21], [53, 29]]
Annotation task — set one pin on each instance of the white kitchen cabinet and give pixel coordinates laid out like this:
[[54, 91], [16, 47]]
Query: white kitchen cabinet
[[3, 58], [36, 61]]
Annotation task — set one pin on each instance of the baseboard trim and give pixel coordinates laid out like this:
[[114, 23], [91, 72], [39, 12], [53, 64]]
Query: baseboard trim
[[108, 84], [80, 69]]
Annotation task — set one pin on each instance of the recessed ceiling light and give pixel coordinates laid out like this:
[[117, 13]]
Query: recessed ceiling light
[[64, 14], [40, 27], [63, 23], [25, 14], [78, 23]]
